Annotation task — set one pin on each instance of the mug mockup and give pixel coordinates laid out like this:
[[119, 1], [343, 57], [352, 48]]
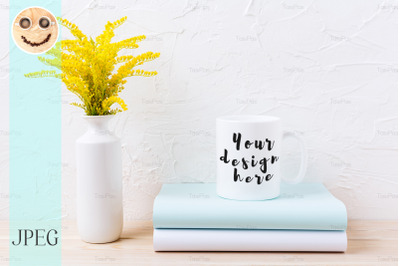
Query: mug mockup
[[248, 157]]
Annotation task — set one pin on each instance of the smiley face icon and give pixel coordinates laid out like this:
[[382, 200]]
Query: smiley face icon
[[35, 30]]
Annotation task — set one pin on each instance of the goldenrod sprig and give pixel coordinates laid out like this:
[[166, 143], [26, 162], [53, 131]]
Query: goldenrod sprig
[[43, 74], [88, 67]]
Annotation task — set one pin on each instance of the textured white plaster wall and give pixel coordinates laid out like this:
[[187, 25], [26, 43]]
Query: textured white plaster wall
[[4, 125], [328, 68]]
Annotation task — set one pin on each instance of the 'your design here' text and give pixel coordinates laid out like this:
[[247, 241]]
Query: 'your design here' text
[[242, 164]]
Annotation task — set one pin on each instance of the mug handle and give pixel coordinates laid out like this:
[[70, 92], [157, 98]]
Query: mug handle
[[304, 159]]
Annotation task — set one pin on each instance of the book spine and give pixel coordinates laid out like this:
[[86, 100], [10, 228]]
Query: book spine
[[249, 240]]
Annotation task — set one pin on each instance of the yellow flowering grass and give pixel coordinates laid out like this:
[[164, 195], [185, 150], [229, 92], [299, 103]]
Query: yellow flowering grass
[[88, 67]]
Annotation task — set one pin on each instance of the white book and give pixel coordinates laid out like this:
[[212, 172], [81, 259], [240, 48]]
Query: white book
[[249, 240]]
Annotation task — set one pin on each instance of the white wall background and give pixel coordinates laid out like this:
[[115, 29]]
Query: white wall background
[[328, 68]]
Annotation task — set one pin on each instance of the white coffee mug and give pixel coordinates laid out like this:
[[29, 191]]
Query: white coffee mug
[[248, 157]]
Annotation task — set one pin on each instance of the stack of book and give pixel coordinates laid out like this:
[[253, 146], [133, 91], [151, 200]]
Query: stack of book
[[192, 217]]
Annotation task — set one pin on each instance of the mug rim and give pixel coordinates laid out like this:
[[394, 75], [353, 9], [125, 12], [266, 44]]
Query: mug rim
[[248, 118]]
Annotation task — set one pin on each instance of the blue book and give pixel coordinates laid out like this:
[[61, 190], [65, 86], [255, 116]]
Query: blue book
[[304, 206]]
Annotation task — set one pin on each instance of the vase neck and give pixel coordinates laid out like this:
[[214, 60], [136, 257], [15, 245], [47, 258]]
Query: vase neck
[[98, 123]]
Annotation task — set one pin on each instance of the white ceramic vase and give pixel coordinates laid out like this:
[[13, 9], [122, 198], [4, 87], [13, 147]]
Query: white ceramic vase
[[99, 182]]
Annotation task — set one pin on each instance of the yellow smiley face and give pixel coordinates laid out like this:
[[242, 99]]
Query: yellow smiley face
[[35, 30]]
